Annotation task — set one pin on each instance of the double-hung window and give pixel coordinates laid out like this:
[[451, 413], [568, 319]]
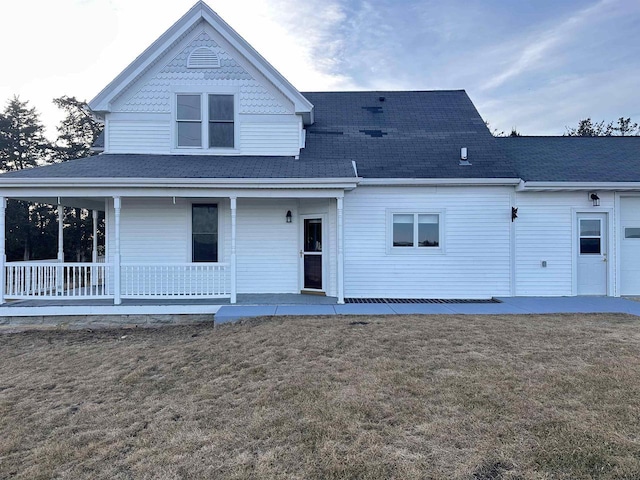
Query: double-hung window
[[217, 115], [204, 232], [415, 231]]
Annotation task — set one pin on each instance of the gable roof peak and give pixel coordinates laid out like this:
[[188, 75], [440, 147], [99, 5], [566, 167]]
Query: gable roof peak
[[200, 11]]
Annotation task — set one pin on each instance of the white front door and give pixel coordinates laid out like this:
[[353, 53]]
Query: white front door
[[311, 253], [592, 253]]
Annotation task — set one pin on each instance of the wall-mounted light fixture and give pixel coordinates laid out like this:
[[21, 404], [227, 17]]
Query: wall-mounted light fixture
[[514, 213], [593, 196], [289, 217]]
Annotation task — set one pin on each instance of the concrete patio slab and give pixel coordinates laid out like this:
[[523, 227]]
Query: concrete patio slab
[[305, 310], [486, 309], [231, 314], [364, 309], [420, 308]]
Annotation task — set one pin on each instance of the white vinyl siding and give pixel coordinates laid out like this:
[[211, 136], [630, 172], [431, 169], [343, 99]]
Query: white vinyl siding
[[544, 233], [151, 230], [142, 136], [270, 139], [476, 233], [266, 246], [629, 247]]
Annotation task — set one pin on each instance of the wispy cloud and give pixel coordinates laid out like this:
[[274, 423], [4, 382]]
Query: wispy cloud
[[533, 51]]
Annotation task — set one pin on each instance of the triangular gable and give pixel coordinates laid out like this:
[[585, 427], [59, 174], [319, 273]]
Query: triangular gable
[[199, 12], [151, 92]]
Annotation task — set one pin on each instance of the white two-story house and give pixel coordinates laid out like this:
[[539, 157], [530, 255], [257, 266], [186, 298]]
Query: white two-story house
[[219, 178]]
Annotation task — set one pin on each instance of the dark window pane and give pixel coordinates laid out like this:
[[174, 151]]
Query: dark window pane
[[312, 235], [589, 228], [204, 227], [221, 108], [205, 247], [189, 134], [313, 271], [188, 107], [589, 246], [205, 219], [428, 235], [221, 135], [403, 230], [632, 232]]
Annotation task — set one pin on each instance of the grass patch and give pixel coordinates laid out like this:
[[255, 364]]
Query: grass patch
[[464, 397]]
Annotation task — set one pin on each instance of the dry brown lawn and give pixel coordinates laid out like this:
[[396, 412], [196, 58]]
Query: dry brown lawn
[[407, 397]]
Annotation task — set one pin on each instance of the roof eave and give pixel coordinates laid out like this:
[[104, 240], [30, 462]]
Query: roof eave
[[248, 183], [440, 181], [576, 186]]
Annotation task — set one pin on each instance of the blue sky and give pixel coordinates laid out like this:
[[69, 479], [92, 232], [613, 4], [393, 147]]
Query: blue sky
[[535, 65]]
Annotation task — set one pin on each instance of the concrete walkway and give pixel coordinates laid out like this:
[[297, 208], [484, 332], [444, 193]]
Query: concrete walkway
[[507, 305]]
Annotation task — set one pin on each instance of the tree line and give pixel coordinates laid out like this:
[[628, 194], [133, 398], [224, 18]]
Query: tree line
[[32, 228], [623, 127]]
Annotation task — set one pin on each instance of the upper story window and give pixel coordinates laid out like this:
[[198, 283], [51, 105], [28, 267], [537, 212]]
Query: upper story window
[[217, 116]]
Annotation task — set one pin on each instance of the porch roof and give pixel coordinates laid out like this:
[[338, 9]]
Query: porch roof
[[191, 166]]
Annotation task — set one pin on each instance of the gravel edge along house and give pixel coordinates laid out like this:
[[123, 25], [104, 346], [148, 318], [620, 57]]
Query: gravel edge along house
[[218, 178]]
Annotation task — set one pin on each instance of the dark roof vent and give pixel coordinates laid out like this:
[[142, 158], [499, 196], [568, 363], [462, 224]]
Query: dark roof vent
[[382, 99], [374, 133]]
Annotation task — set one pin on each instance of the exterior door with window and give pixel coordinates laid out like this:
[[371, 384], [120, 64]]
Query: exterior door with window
[[592, 254], [311, 254]]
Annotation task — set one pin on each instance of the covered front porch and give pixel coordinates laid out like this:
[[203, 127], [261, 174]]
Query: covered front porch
[[150, 240]]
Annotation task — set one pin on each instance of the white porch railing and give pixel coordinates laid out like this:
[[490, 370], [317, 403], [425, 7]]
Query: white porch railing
[[55, 280], [175, 280]]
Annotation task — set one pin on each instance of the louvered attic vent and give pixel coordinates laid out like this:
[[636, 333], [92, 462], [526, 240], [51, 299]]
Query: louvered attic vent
[[203, 57]]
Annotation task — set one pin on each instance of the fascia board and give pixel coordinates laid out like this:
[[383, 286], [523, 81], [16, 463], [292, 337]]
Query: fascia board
[[439, 181], [302, 105], [101, 102], [568, 186], [249, 183]]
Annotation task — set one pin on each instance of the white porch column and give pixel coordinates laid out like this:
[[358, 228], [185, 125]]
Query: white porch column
[[116, 253], [340, 273], [60, 269], [94, 251], [3, 257], [233, 250], [60, 233]]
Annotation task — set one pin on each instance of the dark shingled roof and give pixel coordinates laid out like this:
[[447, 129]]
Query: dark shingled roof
[[188, 166], [574, 159], [408, 135]]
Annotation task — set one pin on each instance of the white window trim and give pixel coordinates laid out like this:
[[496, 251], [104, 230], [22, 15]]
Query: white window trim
[[415, 250], [204, 93]]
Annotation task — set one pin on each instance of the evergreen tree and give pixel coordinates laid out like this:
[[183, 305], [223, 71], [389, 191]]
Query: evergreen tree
[[78, 130], [22, 140]]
